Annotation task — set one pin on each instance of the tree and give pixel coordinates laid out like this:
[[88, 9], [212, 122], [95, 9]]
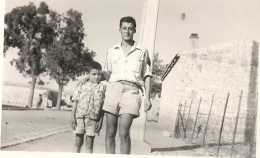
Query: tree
[[27, 29], [66, 58], [158, 70]]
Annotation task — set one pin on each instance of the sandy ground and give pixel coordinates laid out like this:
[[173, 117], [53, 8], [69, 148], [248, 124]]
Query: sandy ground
[[17, 124], [23, 123]]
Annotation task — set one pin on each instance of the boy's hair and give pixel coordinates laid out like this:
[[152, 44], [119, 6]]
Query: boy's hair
[[94, 65], [128, 19]]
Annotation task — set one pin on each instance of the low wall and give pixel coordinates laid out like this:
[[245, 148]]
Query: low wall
[[18, 95], [220, 69]]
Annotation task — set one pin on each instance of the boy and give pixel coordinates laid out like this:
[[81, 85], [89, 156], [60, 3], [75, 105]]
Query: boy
[[87, 115], [128, 71]]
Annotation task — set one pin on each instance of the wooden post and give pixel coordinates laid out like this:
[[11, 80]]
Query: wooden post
[[182, 120], [182, 124], [184, 109], [188, 116], [235, 130], [212, 100], [176, 128], [222, 123], [252, 144], [196, 120]]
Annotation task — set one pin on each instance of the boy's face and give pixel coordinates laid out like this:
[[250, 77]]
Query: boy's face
[[127, 31], [95, 75]]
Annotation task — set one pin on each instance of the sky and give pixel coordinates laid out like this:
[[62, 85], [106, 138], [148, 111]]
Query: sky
[[101, 24], [215, 21]]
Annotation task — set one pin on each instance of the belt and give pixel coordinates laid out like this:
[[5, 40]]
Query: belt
[[129, 83]]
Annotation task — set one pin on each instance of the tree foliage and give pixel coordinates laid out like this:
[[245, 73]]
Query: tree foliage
[[66, 57], [158, 70], [27, 29]]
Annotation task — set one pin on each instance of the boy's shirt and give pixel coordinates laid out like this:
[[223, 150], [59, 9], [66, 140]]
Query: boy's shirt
[[90, 99]]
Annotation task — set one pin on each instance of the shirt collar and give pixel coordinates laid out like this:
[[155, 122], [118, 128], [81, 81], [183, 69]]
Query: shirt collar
[[135, 46]]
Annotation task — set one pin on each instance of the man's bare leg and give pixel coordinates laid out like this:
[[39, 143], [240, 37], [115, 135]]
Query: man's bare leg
[[111, 132], [125, 122]]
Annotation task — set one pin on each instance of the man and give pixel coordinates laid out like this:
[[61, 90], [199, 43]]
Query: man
[[39, 102], [128, 71]]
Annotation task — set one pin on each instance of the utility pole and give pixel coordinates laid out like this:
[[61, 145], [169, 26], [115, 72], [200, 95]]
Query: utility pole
[[147, 39]]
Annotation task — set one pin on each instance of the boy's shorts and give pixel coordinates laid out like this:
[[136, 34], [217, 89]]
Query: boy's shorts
[[122, 98], [85, 126]]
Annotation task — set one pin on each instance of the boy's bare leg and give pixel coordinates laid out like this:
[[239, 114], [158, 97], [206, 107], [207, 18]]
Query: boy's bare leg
[[78, 143], [125, 122], [89, 144], [111, 132]]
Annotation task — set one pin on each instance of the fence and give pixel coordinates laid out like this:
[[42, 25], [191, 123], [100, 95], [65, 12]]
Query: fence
[[193, 125]]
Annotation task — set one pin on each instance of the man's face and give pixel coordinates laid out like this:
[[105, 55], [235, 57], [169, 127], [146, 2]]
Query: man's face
[[95, 76], [127, 31]]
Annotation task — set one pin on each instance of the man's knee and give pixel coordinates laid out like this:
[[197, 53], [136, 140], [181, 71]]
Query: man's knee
[[124, 133], [111, 125], [110, 133]]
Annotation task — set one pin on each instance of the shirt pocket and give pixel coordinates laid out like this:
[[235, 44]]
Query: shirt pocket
[[136, 66], [115, 59], [139, 66]]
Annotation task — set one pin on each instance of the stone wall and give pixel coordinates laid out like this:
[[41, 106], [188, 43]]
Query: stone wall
[[219, 69]]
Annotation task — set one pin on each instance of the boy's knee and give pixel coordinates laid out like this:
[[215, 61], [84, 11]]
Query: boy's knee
[[79, 143], [89, 145]]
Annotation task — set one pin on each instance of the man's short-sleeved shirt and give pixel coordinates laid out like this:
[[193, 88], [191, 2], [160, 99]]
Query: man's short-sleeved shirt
[[90, 100], [133, 67]]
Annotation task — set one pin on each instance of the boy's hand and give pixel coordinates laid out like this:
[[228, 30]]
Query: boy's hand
[[147, 104], [73, 123], [99, 125]]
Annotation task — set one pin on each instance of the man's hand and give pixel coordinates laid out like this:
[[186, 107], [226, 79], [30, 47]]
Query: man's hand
[[147, 104], [73, 123], [99, 125]]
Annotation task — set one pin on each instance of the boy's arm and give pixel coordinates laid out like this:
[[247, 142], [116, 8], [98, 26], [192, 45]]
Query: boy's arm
[[101, 116], [100, 121], [73, 115]]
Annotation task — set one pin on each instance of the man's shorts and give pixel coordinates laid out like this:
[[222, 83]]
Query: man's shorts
[[85, 126], [122, 98]]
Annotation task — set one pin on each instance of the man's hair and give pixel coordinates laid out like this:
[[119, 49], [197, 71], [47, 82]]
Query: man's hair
[[128, 19], [93, 65]]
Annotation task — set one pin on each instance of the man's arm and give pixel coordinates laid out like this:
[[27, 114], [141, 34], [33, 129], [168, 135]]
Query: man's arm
[[147, 101], [107, 68]]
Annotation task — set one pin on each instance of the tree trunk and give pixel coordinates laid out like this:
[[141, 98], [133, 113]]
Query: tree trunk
[[33, 82], [59, 97]]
